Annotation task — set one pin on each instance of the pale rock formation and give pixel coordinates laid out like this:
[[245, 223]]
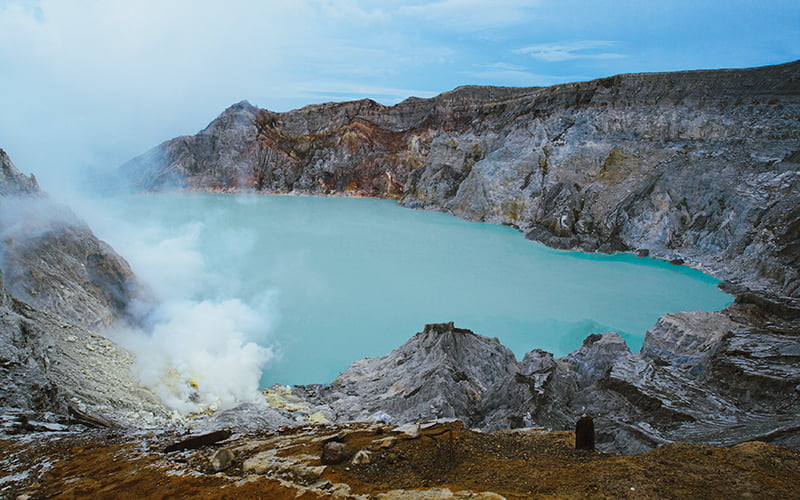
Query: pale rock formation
[[57, 280]]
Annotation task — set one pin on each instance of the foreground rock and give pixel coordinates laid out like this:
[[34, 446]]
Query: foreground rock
[[712, 389], [61, 372], [442, 372]]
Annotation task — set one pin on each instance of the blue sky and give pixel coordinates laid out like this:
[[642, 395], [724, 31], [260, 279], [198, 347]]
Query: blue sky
[[93, 83]]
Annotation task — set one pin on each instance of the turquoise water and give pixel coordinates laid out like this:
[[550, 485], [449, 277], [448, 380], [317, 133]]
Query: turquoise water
[[338, 279]]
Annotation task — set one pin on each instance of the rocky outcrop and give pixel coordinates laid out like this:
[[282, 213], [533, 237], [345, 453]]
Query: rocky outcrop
[[699, 165], [54, 367], [60, 280], [441, 372], [53, 261], [13, 182], [702, 390]]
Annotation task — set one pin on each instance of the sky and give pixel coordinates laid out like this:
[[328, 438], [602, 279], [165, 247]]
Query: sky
[[89, 84]]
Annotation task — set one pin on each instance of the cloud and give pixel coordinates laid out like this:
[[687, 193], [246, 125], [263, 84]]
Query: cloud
[[472, 14], [569, 51], [506, 74]]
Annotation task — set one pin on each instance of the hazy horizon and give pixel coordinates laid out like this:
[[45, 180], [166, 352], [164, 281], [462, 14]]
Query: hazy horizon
[[89, 85]]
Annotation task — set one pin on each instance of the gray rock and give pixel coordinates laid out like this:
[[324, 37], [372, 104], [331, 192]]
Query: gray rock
[[50, 365], [596, 356], [335, 452], [62, 281], [246, 417], [222, 460], [687, 340], [441, 372]]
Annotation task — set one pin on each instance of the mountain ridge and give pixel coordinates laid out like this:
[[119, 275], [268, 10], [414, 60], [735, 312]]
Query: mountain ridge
[[685, 165], [699, 167], [684, 169]]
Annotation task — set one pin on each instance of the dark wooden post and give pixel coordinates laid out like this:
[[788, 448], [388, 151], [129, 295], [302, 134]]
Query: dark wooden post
[[584, 433]]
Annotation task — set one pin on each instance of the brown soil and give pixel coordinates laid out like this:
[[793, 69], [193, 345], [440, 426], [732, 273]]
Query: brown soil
[[514, 464]]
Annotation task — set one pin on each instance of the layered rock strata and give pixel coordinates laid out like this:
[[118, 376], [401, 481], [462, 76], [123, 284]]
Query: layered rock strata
[[60, 283], [688, 384], [700, 165]]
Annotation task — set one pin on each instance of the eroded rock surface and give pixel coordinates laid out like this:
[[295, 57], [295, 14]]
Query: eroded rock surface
[[442, 372], [51, 366], [699, 165], [57, 280], [700, 391]]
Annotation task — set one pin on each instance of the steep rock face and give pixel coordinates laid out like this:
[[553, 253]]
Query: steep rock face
[[442, 372], [57, 280], [637, 404], [75, 375], [701, 165], [53, 261]]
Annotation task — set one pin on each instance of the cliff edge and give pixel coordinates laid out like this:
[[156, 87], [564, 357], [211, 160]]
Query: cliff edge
[[59, 285], [699, 165]]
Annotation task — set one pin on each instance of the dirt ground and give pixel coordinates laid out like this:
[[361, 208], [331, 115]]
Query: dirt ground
[[439, 460]]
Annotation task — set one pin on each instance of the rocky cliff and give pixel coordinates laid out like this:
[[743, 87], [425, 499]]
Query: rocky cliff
[[53, 261], [61, 282], [700, 165], [688, 384]]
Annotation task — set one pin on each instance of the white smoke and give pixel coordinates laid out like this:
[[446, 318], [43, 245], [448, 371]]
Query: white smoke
[[24, 218], [196, 356], [27, 218], [196, 351]]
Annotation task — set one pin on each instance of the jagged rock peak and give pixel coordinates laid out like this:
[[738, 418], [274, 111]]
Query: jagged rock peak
[[456, 344], [13, 182], [434, 330], [243, 104], [441, 372]]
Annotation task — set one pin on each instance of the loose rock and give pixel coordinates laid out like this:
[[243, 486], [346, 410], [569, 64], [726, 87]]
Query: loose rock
[[335, 452], [222, 460]]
